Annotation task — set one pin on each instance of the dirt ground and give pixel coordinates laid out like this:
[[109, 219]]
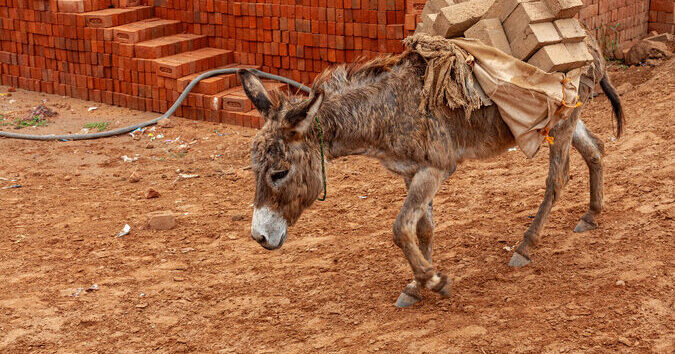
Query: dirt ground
[[206, 286]]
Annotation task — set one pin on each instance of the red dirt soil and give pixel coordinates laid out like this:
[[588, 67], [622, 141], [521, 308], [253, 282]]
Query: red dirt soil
[[206, 286]]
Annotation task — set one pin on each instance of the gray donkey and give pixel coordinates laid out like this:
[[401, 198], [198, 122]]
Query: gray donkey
[[372, 109]]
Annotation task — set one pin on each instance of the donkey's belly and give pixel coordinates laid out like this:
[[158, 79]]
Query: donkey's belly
[[482, 136]]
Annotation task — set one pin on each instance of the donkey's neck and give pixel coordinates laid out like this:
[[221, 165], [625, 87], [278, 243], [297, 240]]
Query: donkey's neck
[[354, 120]]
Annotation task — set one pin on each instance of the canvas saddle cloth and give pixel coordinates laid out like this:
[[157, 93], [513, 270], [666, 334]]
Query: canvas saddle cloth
[[530, 101]]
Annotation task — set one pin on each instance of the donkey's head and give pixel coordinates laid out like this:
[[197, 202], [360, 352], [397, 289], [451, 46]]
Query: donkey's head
[[285, 159]]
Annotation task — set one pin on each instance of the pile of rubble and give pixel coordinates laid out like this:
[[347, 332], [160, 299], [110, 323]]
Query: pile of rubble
[[543, 33]]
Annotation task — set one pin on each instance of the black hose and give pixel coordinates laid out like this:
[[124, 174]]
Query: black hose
[[168, 113]]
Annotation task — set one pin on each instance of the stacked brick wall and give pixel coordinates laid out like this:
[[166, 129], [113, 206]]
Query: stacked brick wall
[[661, 16], [294, 38]]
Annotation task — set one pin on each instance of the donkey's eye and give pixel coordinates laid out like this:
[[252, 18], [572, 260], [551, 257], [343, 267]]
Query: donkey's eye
[[278, 175]]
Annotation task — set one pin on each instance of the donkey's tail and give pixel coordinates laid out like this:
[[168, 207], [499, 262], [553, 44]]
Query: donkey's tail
[[614, 99]]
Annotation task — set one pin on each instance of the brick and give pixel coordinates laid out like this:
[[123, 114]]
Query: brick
[[570, 30], [564, 8], [535, 36], [146, 30], [525, 14], [71, 6], [501, 9], [115, 17], [170, 45], [453, 20], [580, 54], [550, 58], [490, 32], [187, 63]]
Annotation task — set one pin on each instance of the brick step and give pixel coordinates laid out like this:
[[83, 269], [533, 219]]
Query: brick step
[[145, 30], [214, 84], [170, 45], [191, 62], [116, 17]]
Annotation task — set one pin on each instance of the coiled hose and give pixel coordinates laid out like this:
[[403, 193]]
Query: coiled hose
[[168, 113]]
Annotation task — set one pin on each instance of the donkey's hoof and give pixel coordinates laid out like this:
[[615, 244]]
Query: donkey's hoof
[[584, 226], [518, 260], [445, 292], [405, 300]]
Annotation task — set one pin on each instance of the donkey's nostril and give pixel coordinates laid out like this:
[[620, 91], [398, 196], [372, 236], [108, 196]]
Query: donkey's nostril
[[258, 236]]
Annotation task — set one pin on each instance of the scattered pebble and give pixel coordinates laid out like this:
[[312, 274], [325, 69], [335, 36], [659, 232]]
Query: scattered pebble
[[620, 283], [134, 178], [151, 194], [161, 220]]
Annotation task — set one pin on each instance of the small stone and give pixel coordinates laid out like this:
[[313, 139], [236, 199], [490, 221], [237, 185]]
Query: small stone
[[134, 178], [178, 279], [151, 193], [11, 89], [620, 283], [237, 217], [149, 146], [67, 178], [161, 220], [142, 306]]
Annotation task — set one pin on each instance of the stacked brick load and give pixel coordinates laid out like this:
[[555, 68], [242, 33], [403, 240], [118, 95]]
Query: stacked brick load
[[542, 32]]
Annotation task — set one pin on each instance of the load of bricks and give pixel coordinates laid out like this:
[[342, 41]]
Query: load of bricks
[[543, 33], [141, 54]]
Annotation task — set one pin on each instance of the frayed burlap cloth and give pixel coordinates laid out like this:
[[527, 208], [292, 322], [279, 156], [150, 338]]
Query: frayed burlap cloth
[[448, 80], [529, 100]]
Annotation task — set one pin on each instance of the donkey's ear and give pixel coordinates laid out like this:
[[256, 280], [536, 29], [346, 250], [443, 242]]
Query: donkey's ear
[[255, 91], [303, 117]]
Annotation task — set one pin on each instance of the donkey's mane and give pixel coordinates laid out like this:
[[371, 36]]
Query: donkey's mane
[[361, 72]]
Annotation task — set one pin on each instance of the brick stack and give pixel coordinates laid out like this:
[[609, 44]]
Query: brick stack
[[123, 56], [294, 38], [661, 16]]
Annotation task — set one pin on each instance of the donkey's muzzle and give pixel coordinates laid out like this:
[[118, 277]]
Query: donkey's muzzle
[[268, 228]]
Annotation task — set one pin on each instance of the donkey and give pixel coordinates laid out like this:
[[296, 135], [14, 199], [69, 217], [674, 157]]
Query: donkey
[[371, 109]]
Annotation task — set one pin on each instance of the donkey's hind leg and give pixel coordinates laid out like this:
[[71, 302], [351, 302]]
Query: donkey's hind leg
[[557, 178], [421, 191], [425, 232], [592, 150]]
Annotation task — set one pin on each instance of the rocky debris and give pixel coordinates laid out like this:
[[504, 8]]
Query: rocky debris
[[655, 37], [165, 123], [646, 49], [151, 194], [161, 220], [41, 112], [11, 89], [620, 283]]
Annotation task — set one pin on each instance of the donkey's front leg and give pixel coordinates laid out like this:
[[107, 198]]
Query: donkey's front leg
[[421, 191], [425, 234], [557, 178]]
